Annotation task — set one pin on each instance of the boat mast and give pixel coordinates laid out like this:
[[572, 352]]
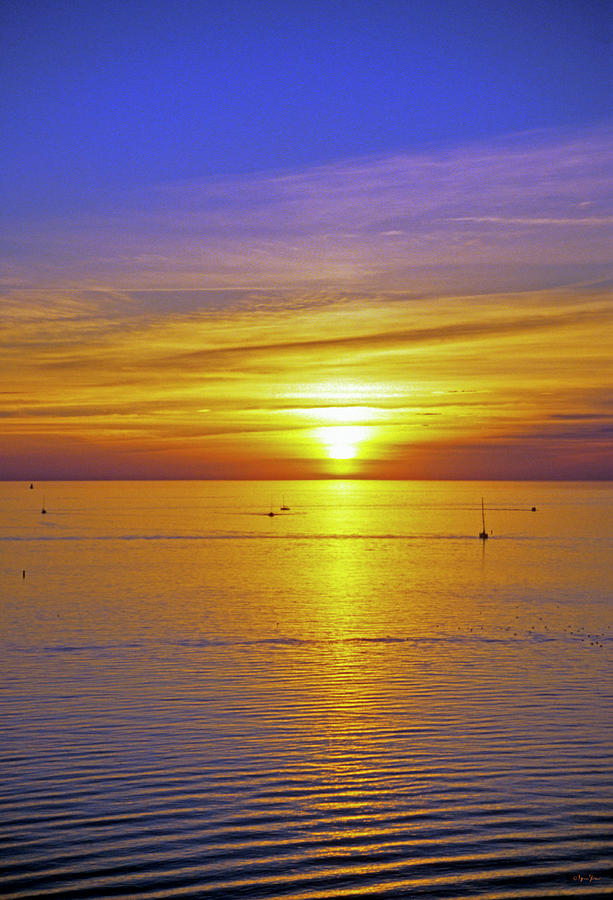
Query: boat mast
[[483, 535]]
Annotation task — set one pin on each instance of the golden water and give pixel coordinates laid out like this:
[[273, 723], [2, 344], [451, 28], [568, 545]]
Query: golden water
[[356, 697]]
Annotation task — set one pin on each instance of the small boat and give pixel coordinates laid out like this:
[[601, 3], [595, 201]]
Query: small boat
[[283, 506], [43, 510], [483, 534], [31, 486]]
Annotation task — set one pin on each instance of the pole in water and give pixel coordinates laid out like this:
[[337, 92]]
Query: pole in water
[[23, 573]]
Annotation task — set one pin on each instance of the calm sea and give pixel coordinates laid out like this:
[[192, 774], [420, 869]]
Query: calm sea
[[355, 697]]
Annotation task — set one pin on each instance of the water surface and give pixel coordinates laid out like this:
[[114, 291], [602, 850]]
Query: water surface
[[355, 697]]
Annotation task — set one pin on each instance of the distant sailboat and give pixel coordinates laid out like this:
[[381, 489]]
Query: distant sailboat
[[31, 486], [483, 534], [271, 513], [43, 510], [283, 506]]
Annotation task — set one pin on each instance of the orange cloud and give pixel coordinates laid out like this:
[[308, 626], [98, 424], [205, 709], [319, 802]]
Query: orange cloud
[[455, 307]]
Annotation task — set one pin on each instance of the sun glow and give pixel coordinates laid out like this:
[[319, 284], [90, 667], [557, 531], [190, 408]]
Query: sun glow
[[343, 441]]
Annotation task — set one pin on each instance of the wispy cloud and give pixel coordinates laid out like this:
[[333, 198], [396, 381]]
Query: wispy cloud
[[452, 301], [590, 222], [427, 222]]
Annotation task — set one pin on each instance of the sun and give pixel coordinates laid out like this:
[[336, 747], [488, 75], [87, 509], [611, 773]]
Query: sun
[[342, 441]]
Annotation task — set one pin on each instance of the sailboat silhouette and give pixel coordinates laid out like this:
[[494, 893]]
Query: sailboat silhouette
[[483, 534]]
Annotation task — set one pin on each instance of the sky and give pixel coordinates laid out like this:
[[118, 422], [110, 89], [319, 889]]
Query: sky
[[306, 240]]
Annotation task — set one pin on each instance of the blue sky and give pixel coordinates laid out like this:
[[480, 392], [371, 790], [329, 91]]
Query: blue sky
[[107, 96]]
